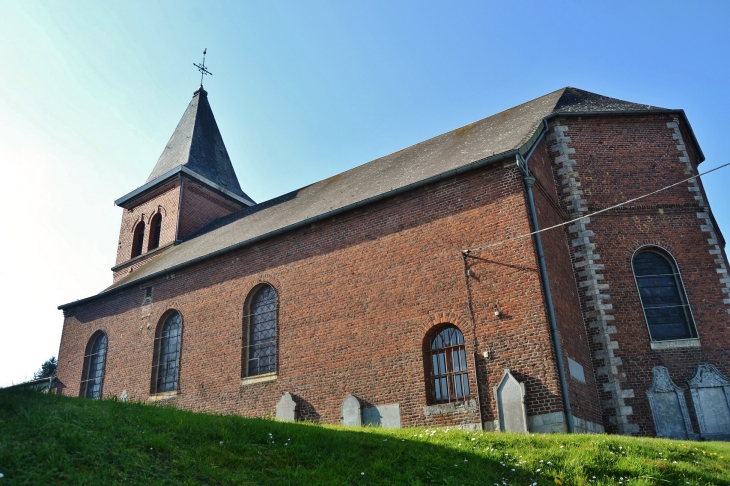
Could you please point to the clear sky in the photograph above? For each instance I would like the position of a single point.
(91, 91)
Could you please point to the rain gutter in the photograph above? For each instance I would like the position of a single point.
(305, 222)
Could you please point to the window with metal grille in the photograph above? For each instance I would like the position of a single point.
(449, 380)
(260, 350)
(138, 239)
(662, 296)
(92, 379)
(166, 368)
(155, 229)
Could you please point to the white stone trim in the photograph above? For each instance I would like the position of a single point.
(704, 215)
(594, 289)
(259, 378)
(162, 396)
(676, 343)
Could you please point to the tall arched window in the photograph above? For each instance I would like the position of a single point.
(167, 350)
(155, 229)
(92, 378)
(260, 352)
(137, 239)
(662, 296)
(446, 360)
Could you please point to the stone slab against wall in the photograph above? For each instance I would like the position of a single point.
(510, 396)
(386, 416)
(286, 409)
(351, 412)
(668, 407)
(711, 397)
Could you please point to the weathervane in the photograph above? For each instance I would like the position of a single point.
(202, 68)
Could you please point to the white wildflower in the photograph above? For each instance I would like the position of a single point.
(537, 470)
(473, 438)
(221, 442)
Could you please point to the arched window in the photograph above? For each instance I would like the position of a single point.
(662, 296)
(260, 353)
(138, 239)
(92, 378)
(448, 377)
(167, 350)
(155, 229)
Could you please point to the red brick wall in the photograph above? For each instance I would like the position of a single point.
(622, 157)
(357, 294)
(200, 206)
(166, 201)
(571, 327)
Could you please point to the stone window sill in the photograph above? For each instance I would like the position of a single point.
(677, 343)
(162, 396)
(453, 407)
(249, 380)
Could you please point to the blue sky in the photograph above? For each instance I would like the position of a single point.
(91, 91)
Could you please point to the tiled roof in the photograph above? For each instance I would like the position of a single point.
(486, 139)
(197, 145)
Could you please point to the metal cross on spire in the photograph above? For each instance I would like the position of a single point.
(202, 68)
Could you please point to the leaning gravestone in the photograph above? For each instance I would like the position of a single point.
(351, 413)
(668, 407)
(286, 409)
(510, 395)
(711, 397)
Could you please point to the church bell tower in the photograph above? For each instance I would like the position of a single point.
(192, 184)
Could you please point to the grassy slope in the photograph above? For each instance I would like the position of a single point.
(46, 439)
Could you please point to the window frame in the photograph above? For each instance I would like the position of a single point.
(246, 376)
(681, 291)
(157, 354)
(155, 231)
(449, 374)
(88, 359)
(138, 239)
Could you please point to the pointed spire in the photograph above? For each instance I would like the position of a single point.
(197, 145)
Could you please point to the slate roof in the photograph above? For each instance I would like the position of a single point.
(197, 145)
(490, 139)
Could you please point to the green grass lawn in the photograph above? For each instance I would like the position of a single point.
(48, 439)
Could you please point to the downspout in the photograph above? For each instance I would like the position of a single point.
(529, 181)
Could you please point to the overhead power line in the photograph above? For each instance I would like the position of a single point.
(592, 214)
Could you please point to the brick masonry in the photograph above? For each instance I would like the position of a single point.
(185, 205)
(360, 294)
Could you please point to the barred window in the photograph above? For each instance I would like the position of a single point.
(167, 345)
(260, 353)
(92, 379)
(155, 229)
(662, 296)
(138, 239)
(449, 380)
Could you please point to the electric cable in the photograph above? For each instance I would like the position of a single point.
(514, 238)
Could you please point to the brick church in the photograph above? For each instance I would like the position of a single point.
(409, 291)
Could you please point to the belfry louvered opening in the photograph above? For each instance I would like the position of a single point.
(662, 294)
(260, 331)
(448, 376)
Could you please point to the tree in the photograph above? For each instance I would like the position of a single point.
(48, 369)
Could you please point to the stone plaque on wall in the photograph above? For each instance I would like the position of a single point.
(386, 416)
(668, 407)
(510, 395)
(711, 398)
(351, 413)
(286, 409)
